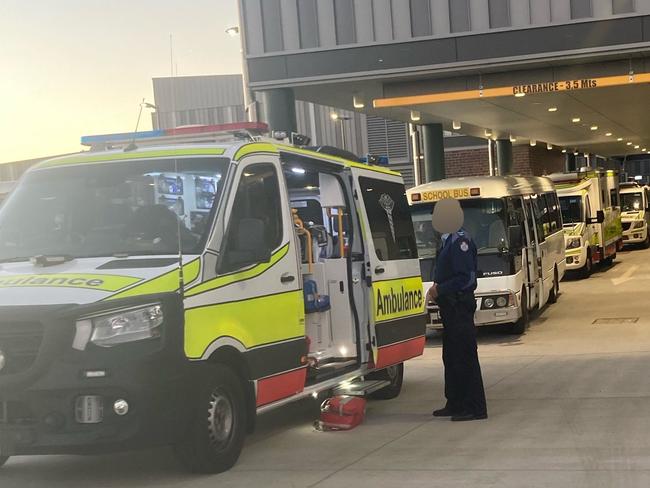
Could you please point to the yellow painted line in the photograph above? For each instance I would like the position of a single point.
(165, 283)
(504, 91)
(338, 160)
(253, 148)
(222, 281)
(101, 158)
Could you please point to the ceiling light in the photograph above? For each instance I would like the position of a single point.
(629, 143)
(549, 146)
(644, 149)
(533, 142)
(298, 171)
(575, 152)
(512, 138)
(334, 116)
(415, 115)
(619, 139)
(563, 151)
(488, 132)
(637, 146)
(575, 120)
(594, 127)
(552, 109)
(357, 101)
(608, 134)
(519, 95)
(456, 125)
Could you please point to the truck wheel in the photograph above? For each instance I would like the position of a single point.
(586, 270)
(646, 242)
(394, 374)
(3, 460)
(520, 326)
(217, 430)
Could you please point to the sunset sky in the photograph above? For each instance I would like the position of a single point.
(76, 67)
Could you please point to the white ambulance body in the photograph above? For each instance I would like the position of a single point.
(635, 213)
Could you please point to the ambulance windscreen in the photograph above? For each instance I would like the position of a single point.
(631, 202)
(117, 208)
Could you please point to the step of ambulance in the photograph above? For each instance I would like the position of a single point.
(360, 388)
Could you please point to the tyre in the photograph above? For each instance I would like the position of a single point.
(520, 326)
(587, 269)
(552, 296)
(646, 243)
(394, 374)
(610, 260)
(3, 460)
(217, 429)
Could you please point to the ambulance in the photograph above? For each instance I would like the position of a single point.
(635, 213)
(591, 212)
(156, 294)
(516, 225)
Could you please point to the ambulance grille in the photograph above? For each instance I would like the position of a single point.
(626, 225)
(20, 343)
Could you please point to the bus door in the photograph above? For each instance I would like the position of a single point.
(533, 255)
(391, 267)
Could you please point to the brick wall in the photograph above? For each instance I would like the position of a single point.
(527, 161)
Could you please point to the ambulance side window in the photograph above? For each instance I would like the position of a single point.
(389, 218)
(256, 219)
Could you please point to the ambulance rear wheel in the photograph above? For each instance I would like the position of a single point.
(394, 374)
(3, 460)
(218, 425)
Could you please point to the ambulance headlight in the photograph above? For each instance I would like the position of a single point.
(574, 243)
(637, 224)
(488, 303)
(502, 302)
(122, 326)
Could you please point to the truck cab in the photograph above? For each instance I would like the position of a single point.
(635, 214)
(167, 294)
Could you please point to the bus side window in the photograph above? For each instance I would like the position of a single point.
(553, 213)
(516, 216)
(539, 208)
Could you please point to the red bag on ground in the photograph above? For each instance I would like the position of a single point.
(342, 412)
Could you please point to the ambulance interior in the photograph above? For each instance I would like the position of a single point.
(321, 223)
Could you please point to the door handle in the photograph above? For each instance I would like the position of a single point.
(287, 278)
(379, 270)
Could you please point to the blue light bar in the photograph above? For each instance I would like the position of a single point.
(124, 136)
(378, 160)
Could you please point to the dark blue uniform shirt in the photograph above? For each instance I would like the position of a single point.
(456, 265)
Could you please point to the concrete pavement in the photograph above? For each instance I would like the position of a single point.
(568, 405)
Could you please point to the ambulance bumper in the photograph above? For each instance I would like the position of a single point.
(98, 400)
(635, 236)
(576, 260)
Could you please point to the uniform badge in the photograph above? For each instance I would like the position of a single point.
(464, 246)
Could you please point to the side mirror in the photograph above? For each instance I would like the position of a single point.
(248, 245)
(600, 218)
(515, 237)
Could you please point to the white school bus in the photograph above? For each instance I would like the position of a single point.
(516, 224)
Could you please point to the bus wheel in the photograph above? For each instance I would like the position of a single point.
(520, 326)
(586, 270)
(394, 374)
(552, 296)
(3, 460)
(217, 428)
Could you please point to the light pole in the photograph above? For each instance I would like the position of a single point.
(341, 119)
(250, 105)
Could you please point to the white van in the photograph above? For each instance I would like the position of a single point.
(167, 295)
(517, 227)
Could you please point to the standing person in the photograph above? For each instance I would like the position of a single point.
(453, 290)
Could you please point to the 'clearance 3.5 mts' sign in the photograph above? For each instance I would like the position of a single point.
(516, 90)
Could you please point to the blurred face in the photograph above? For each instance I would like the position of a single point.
(447, 216)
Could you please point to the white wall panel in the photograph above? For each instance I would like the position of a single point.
(520, 13)
(290, 32)
(540, 11)
(401, 19)
(601, 8)
(479, 15)
(326, 23)
(364, 21)
(254, 30)
(383, 20)
(560, 10)
(440, 16)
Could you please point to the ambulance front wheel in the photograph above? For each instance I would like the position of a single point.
(217, 428)
(395, 375)
(3, 460)
(646, 243)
